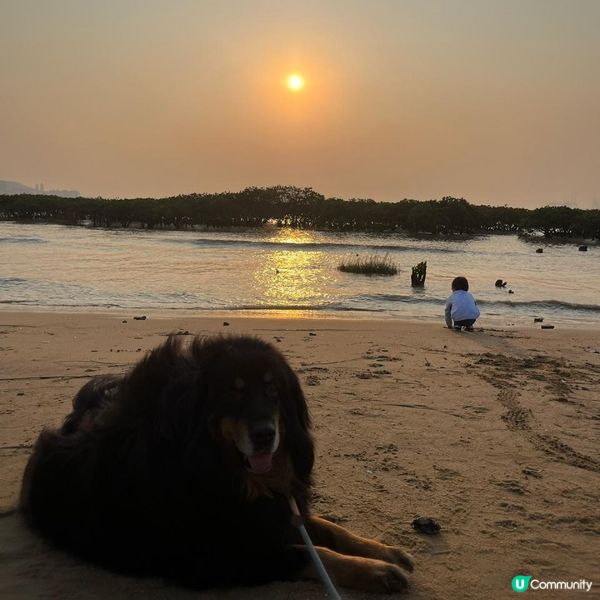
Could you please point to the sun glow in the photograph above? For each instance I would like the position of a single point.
(295, 82)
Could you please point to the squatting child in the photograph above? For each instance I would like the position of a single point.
(461, 308)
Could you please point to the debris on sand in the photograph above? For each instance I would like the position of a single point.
(426, 525)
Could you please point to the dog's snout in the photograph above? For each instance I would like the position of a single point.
(262, 435)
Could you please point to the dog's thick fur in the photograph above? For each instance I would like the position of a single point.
(184, 468)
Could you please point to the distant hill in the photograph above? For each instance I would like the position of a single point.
(14, 187)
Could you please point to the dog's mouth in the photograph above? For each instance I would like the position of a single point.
(256, 442)
(259, 463)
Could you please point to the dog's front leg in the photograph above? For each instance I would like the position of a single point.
(329, 535)
(359, 573)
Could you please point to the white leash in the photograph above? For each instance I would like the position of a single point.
(314, 555)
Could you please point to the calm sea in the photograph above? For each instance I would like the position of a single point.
(286, 271)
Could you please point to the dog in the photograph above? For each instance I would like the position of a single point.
(185, 468)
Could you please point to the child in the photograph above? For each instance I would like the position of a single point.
(461, 308)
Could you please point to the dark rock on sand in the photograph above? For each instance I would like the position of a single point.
(426, 525)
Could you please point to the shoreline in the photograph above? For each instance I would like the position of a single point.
(490, 323)
(490, 432)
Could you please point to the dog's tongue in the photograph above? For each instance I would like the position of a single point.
(261, 463)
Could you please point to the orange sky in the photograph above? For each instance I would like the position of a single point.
(495, 101)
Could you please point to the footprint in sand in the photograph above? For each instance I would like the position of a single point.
(512, 486)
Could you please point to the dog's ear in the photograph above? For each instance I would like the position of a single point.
(297, 421)
(298, 401)
(174, 412)
(163, 390)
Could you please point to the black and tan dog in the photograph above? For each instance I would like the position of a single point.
(184, 468)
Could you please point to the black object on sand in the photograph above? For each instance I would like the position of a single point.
(499, 283)
(426, 525)
(582, 248)
(538, 319)
(547, 326)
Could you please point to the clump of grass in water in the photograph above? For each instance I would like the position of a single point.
(370, 265)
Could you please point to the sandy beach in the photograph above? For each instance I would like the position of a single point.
(493, 433)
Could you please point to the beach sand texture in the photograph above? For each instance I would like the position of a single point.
(493, 433)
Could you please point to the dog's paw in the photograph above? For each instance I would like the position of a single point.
(386, 578)
(359, 573)
(397, 556)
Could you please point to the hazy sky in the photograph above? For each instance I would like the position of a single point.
(495, 101)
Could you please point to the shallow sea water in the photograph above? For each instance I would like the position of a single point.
(272, 270)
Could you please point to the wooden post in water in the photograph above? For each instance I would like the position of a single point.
(419, 272)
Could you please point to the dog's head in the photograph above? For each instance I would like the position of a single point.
(254, 402)
(234, 395)
(252, 419)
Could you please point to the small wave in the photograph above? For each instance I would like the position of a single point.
(12, 281)
(315, 246)
(22, 240)
(278, 307)
(32, 302)
(542, 304)
(539, 305)
(414, 299)
(334, 306)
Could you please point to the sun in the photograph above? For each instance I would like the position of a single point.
(295, 82)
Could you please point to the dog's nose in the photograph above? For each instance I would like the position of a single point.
(262, 435)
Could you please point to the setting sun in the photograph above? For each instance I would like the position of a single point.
(295, 82)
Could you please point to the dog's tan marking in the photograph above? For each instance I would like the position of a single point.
(355, 572)
(328, 534)
(228, 429)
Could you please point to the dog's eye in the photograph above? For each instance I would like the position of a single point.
(272, 391)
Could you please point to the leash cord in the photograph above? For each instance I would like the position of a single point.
(314, 555)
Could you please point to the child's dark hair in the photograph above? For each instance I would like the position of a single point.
(460, 283)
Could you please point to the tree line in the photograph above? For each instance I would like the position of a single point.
(301, 208)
